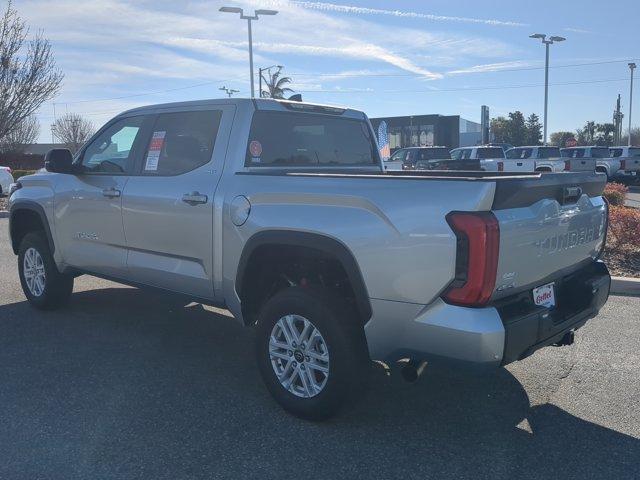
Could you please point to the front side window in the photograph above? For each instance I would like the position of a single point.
(279, 139)
(514, 153)
(579, 153)
(634, 152)
(181, 142)
(565, 153)
(456, 154)
(111, 151)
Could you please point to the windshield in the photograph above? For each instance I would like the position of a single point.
(279, 139)
(492, 152)
(548, 152)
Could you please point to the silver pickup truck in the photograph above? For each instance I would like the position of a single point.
(282, 213)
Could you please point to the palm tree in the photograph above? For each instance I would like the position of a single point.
(276, 85)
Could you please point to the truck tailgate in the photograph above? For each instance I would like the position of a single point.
(548, 228)
(631, 164)
(581, 164)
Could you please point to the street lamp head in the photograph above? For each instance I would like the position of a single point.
(266, 12)
(632, 65)
(231, 10)
(541, 36)
(557, 39)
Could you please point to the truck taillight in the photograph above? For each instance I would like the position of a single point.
(623, 164)
(478, 245)
(501, 166)
(567, 165)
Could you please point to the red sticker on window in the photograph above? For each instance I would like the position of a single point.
(255, 148)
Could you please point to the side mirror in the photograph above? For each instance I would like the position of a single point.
(59, 160)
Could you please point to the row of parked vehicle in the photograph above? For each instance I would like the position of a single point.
(6, 179)
(616, 162)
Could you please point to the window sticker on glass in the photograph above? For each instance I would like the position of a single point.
(155, 147)
(255, 149)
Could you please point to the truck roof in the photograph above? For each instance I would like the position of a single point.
(258, 103)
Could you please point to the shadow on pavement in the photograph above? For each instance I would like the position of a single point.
(125, 384)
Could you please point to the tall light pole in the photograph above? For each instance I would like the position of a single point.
(546, 42)
(632, 67)
(248, 18)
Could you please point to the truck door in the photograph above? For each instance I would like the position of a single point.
(168, 211)
(88, 205)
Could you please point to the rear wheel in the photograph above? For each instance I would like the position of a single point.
(311, 352)
(43, 285)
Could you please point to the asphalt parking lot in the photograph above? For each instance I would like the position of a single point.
(126, 384)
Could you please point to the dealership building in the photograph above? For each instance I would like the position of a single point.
(450, 131)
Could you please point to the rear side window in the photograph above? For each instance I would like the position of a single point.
(181, 142)
(634, 152)
(279, 139)
(492, 152)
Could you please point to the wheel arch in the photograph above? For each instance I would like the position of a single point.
(26, 216)
(315, 241)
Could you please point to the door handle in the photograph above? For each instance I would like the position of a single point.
(111, 192)
(194, 198)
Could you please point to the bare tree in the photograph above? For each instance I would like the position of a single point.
(28, 74)
(72, 130)
(24, 133)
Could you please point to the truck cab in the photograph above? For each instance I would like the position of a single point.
(629, 158)
(541, 158)
(599, 156)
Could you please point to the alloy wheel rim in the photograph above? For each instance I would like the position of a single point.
(299, 356)
(34, 274)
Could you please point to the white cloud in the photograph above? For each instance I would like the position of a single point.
(332, 7)
(493, 67)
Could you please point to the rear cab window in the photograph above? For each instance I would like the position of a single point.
(602, 152)
(492, 152)
(294, 139)
(548, 152)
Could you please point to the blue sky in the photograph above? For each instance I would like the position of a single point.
(386, 58)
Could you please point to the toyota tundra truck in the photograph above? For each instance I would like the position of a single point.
(282, 213)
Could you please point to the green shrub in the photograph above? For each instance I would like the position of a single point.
(21, 173)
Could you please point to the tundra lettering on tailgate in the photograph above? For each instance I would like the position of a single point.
(565, 241)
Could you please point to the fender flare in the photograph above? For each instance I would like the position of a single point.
(32, 206)
(316, 241)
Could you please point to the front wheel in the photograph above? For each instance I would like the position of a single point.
(311, 352)
(43, 285)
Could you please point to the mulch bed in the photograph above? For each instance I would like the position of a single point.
(623, 264)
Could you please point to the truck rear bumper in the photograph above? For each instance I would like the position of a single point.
(486, 337)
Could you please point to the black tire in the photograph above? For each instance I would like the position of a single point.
(349, 363)
(57, 286)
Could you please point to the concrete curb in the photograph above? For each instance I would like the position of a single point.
(625, 286)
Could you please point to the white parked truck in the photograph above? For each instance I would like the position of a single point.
(604, 163)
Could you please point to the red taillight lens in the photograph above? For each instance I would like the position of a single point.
(567, 165)
(477, 253)
(623, 164)
(501, 166)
